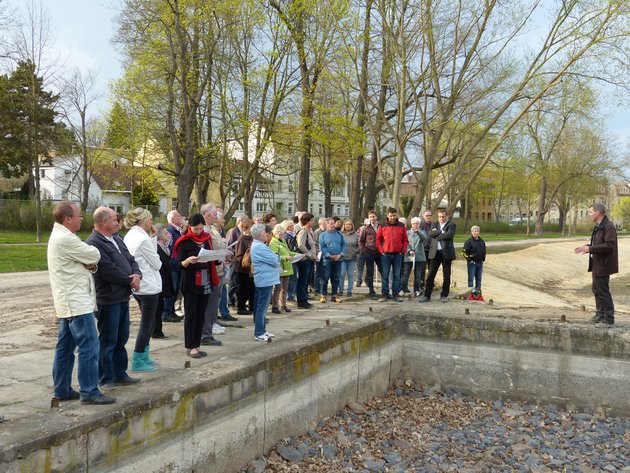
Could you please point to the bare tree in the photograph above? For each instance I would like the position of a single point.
(77, 95)
(32, 40)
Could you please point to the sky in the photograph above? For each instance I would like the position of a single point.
(83, 29)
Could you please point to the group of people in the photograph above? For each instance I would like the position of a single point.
(255, 265)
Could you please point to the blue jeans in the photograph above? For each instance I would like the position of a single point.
(305, 267)
(169, 302)
(391, 262)
(113, 334)
(223, 305)
(347, 268)
(417, 275)
(79, 331)
(292, 283)
(331, 270)
(360, 266)
(261, 304)
(474, 273)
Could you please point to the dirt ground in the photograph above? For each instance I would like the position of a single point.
(520, 283)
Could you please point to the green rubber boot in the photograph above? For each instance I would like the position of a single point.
(138, 362)
(150, 361)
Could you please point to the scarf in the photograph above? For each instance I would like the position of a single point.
(200, 240)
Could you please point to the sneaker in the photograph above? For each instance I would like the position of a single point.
(172, 319)
(101, 399)
(290, 299)
(596, 318)
(126, 381)
(306, 306)
(74, 396)
(383, 298)
(425, 299)
(373, 296)
(322, 299)
(359, 283)
(286, 309)
(444, 299)
(261, 338)
(334, 299)
(397, 298)
(107, 387)
(269, 334)
(229, 318)
(348, 294)
(217, 329)
(213, 342)
(276, 310)
(418, 293)
(244, 312)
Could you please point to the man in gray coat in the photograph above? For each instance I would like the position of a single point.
(441, 253)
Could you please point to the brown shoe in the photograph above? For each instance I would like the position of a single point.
(322, 299)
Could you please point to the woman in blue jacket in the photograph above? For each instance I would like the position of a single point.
(266, 265)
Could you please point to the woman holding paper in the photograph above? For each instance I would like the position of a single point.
(279, 246)
(198, 281)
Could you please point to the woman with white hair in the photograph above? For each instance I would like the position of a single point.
(139, 221)
(414, 259)
(266, 266)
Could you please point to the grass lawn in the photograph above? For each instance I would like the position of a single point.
(18, 258)
(28, 236)
(31, 256)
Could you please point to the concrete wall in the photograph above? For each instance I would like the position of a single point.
(199, 419)
(220, 424)
(573, 366)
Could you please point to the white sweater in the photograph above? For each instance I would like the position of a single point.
(144, 250)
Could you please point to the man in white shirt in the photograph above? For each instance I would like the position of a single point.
(70, 262)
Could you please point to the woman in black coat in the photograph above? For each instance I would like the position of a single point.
(198, 281)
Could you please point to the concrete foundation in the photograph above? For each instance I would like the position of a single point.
(194, 420)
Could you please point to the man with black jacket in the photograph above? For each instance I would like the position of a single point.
(441, 253)
(603, 262)
(369, 250)
(118, 274)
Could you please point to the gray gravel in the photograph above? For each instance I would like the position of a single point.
(414, 429)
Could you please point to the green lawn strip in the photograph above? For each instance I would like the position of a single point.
(29, 237)
(20, 258)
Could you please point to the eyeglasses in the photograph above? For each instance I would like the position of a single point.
(77, 216)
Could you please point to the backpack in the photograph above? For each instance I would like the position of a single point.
(246, 262)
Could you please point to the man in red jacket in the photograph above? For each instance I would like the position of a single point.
(391, 241)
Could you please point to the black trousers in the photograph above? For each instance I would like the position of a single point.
(370, 260)
(434, 266)
(603, 300)
(194, 318)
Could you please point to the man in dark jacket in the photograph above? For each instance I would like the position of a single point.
(603, 262)
(425, 226)
(174, 228)
(392, 242)
(118, 274)
(367, 247)
(441, 253)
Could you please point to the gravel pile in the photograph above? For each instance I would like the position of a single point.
(414, 429)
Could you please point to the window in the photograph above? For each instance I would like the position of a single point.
(241, 206)
(347, 210)
(279, 186)
(260, 207)
(310, 208)
(42, 173)
(338, 209)
(321, 209)
(290, 208)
